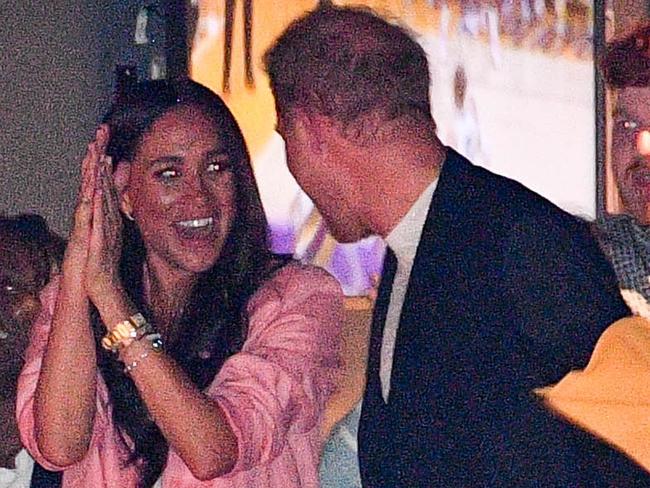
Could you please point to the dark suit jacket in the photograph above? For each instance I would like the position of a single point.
(507, 293)
(42, 478)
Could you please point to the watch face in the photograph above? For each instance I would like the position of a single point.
(157, 344)
(138, 320)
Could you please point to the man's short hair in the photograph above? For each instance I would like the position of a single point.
(627, 60)
(347, 61)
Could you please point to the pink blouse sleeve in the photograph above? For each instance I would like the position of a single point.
(28, 380)
(280, 381)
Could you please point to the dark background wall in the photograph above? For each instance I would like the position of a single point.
(57, 61)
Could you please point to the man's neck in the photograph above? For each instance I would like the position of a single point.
(409, 172)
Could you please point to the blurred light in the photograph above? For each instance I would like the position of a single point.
(643, 142)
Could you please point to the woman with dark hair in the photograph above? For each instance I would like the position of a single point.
(175, 346)
(29, 255)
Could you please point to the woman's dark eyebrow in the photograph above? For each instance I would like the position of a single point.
(217, 151)
(179, 160)
(166, 160)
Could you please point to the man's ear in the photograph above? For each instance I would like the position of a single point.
(314, 128)
(121, 176)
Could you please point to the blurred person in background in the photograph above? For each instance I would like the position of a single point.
(625, 237)
(29, 256)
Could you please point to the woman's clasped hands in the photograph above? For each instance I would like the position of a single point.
(94, 249)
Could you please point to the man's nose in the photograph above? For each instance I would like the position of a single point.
(643, 143)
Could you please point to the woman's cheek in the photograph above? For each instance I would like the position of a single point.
(167, 199)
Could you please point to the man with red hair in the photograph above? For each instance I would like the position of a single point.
(626, 237)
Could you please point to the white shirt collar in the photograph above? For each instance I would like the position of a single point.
(405, 237)
(21, 475)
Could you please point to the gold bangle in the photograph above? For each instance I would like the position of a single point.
(132, 329)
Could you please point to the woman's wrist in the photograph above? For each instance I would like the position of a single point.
(132, 351)
(114, 307)
(137, 351)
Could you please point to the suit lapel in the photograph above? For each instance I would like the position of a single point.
(433, 266)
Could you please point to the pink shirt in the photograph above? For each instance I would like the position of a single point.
(273, 391)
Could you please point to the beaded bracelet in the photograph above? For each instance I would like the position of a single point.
(155, 345)
(133, 364)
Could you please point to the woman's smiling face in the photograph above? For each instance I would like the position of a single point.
(181, 190)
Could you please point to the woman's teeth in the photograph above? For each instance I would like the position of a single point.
(196, 223)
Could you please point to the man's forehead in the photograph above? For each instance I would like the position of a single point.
(634, 100)
(627, 60)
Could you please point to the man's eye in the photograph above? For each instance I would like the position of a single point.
(629, 125)
(167, 174)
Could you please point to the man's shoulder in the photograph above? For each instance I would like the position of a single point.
(500, 196)
(617, 227)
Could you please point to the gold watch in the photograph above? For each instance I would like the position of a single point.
(132, 329)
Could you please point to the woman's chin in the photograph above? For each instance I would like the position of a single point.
(199, 262)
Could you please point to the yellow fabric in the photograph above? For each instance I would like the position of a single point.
(351, 378)
(611, 396)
